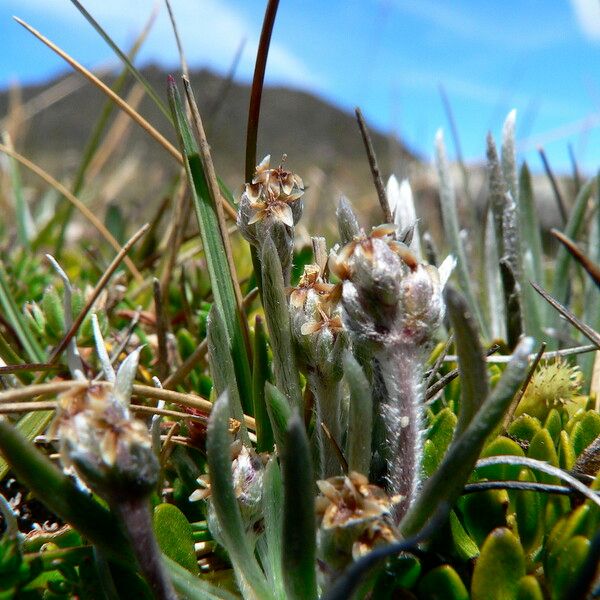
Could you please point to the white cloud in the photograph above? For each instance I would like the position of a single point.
(211, 32)
(588, 17)
(510, 34)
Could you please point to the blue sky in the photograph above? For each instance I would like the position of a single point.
(541, 57)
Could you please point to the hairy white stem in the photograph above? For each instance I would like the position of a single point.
(402, 411)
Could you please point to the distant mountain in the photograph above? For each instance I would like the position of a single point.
(322, 142)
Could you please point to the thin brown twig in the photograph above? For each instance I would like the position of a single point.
(85, 211)
(375, 172)
(161, 331)
(336, 448)
(511, 410)
(139, 391)
(96, 292)
(106, 90)
(10, 369)
(589, 265)
(587, 331)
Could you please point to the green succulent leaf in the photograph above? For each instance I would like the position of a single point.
(499, 568)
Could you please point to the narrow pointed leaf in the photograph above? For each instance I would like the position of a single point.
(279, 413)
(260, 376)
(221, 368)
(214, 250)
(360, 417)
(471, 363)
(299, 523)
(225, 504)
(452, 230)
(278, 322)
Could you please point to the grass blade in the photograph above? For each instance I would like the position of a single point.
(474, 386)
(279, 413)
(464, 451)
(451, 229)
(221, 368)
(272, 508)
(22, 214)
(125, 59)
(15, 318)
(360, 417)
(495, 300)
(260, 376)
(278, 322)
(530, 225)
(214, 250)
(560, 285)
(299, 523)
(225, 504)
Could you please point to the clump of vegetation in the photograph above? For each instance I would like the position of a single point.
(325, 447)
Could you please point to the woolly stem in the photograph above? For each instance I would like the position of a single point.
(402, 412)
(135, 514)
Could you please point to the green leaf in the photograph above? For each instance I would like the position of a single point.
(360, 416)
(260, 375)
(452, 229)
(442, 583)
(524, 427)
(273, 515)
(214, 250)
(528, 512)
(498, 447)
(278, 322)
(542, 448)
(222, 370)
(299, 524)
(439, 436)
(568, 568)
(464, 545)
(499, 567)
(14, 316)
(566, 453)
(474, 386)
(529, 589)
(174, 536)
(225, 504)
(586, 431)
(484, 511)
(530, 225)
(279, 413)
(194, 588)
(464, 451)
(561, 280)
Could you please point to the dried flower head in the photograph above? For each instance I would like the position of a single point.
(354, 516)
(111, 452)
(271, 205)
